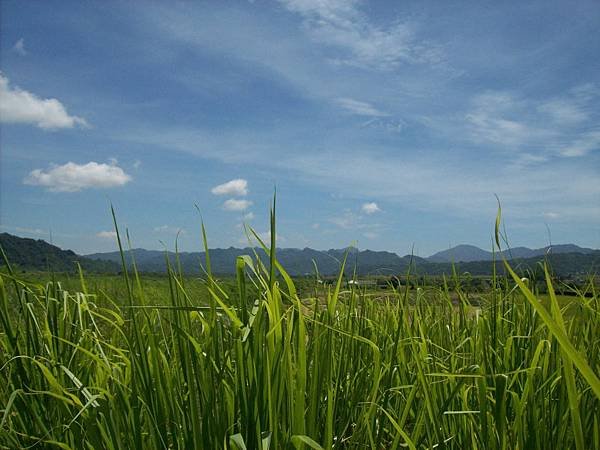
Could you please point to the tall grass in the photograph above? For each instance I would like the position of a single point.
(265, 369)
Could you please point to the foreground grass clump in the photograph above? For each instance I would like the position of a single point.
(261, 368)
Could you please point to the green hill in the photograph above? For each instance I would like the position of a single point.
(31, 254)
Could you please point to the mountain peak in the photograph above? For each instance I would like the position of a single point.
(461, 253)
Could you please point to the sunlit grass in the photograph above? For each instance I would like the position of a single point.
(254, 365)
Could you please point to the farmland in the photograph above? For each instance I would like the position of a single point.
(385, 306)
(256, 362)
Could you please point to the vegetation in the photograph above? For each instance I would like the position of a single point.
(255, 365)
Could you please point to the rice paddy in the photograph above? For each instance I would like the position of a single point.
(251, 364)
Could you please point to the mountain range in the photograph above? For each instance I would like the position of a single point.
(567, 259)
(470, 253)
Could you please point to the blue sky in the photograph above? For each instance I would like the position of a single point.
(384, 124)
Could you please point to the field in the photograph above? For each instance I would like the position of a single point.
(255, 363)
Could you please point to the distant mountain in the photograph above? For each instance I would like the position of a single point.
(34, 254)
(295, 261)
(566, 259)
(367, 262)
(470, 253)
(466, 253)
(563, 264)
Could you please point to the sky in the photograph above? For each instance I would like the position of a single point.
(385, 125)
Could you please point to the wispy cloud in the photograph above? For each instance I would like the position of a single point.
(559, 126)
(107, 234)
(168, 229)
(360, 108)
(37, 231)
(564, 111)
(354, 223)
(523, 160)
(25, 230)
(384, 123)
(320, 70)
(47, 234)
(345, 77)
(496, 117)
(582, 146)
(370, 208)
(19, 47)
(573, 107)
(448, 185)
(20, 106)
(348, 220)
(237, 187)
(551, 215)
(234, 204)
(341, 24)
(72, 177)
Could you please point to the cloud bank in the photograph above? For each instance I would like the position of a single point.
(72, 177)
(107, 234)
(237, 187)
(20, 106)
(236, 205)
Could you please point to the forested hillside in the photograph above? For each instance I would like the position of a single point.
(32, 254)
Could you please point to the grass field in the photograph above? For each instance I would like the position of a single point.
(248, 363)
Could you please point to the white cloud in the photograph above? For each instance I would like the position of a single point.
(564, 111)
(497, 117)
(497, 129)
(315, 226)
(360, 108)
(19, 47)
(561, 126)
(439, 170)
(384, 124)
(234, 204)
(169, 230)
(573, 107)
(19, 106)
(347, 220)
(107, 234)
(72, 177)
(248, 216)
(527, 159)
(30, 230)
(340, 23)
(551, 215)
(370, 208)
(238, 187)
(583, 145)
(455, 187)
(136, 164)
